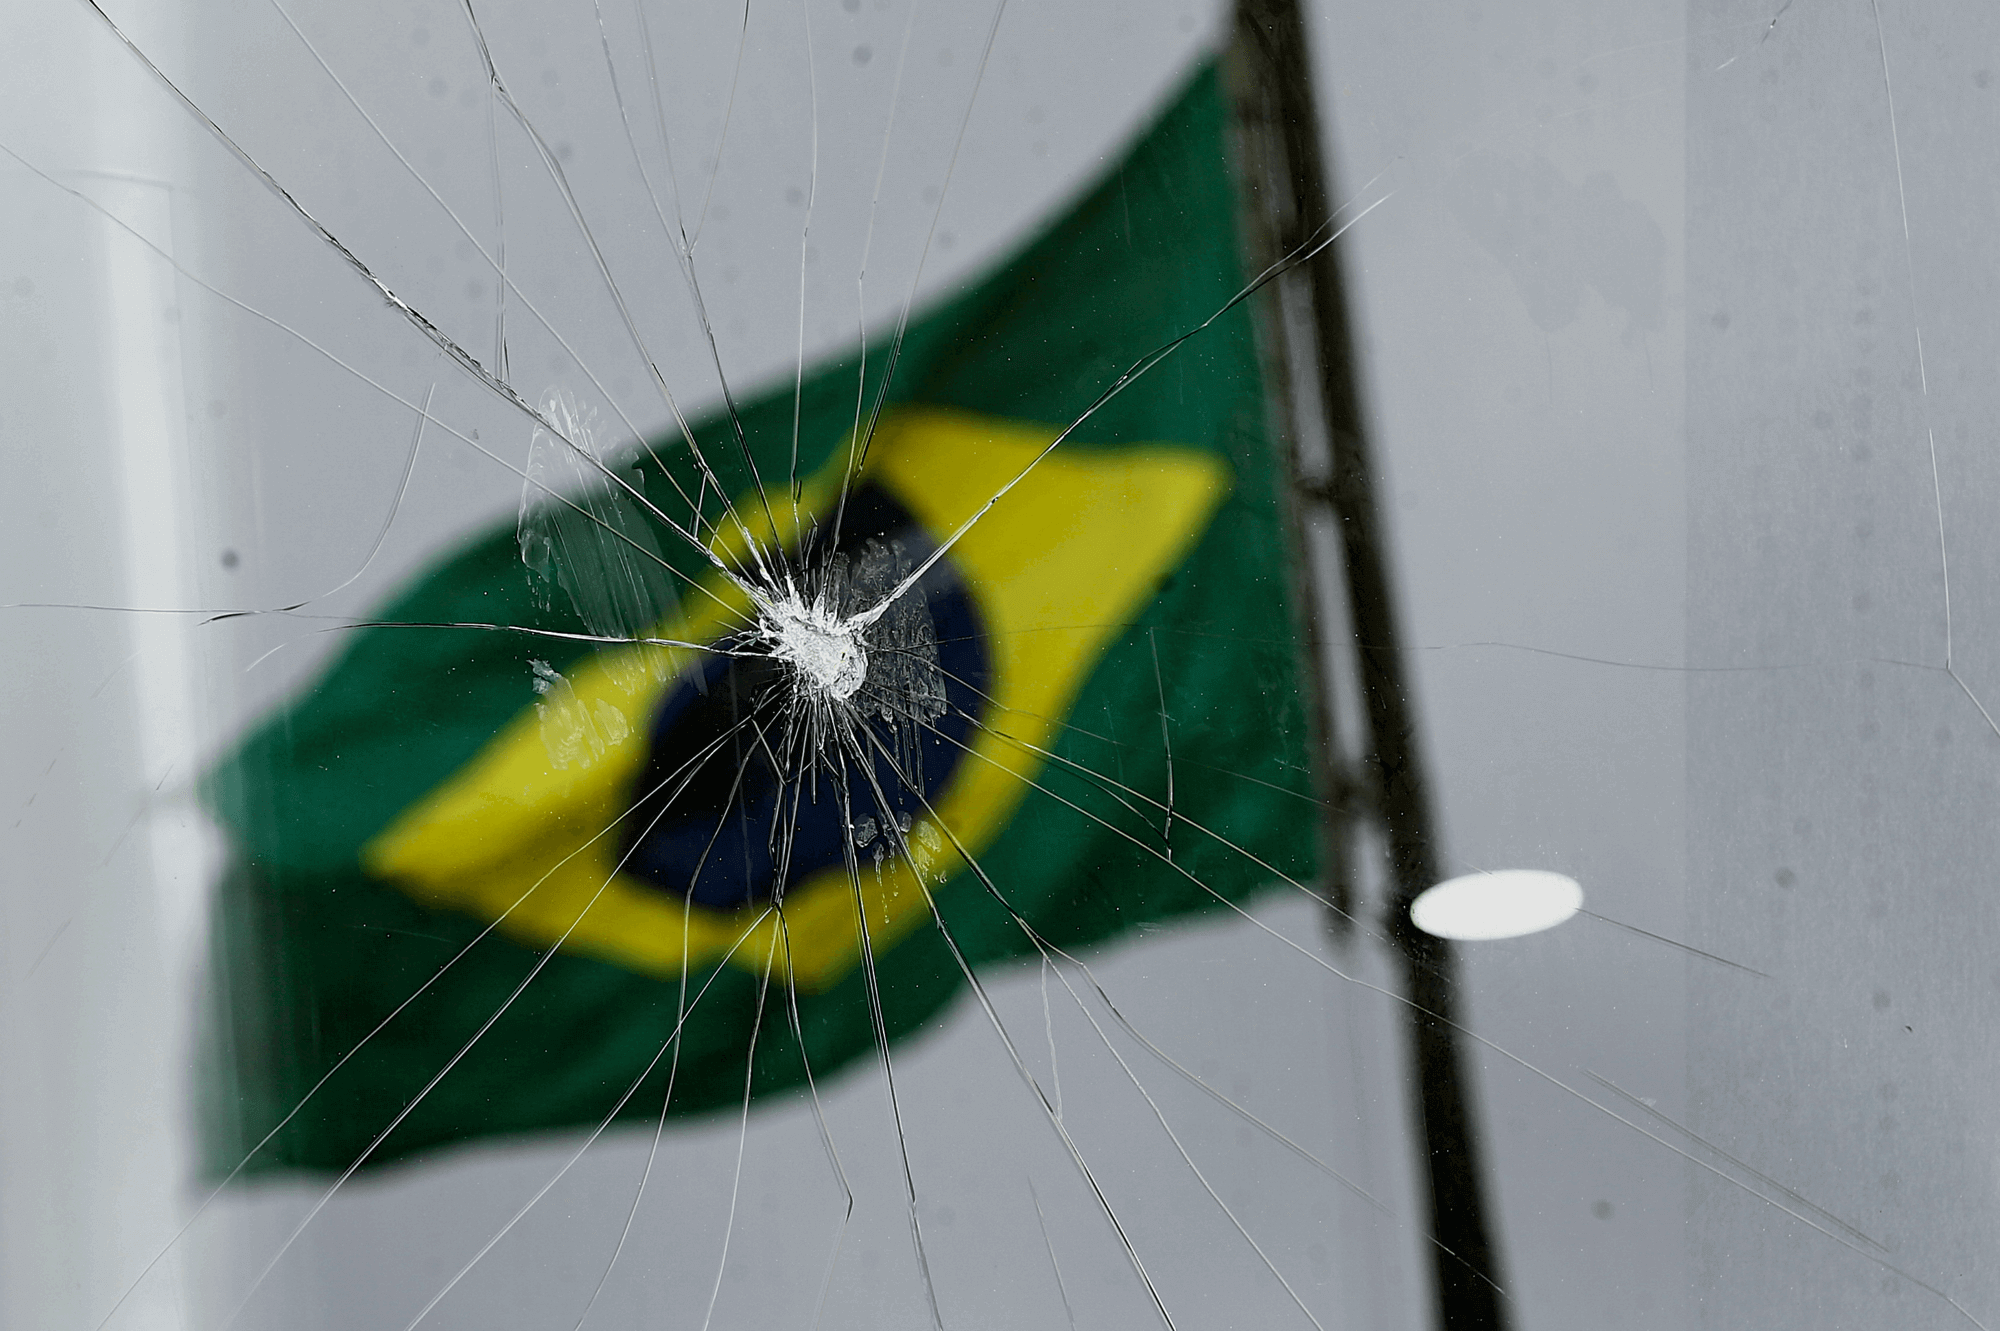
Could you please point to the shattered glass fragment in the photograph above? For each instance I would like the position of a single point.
(582, 532)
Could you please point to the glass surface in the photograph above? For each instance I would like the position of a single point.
(1672, 327)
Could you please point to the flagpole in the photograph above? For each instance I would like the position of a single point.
(1286, 200)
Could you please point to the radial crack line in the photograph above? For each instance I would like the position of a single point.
(1746, 1167)
(684, 1011)
(541, 963)
(672, 1041)
(1166, 743)
(825, 1133)
(673, 1069)
(1062, 1289)
(874, 990)
(684, 254)
(1071, 728)
(1133, 373)
(327, 1076)
(1152, 1104)
(1021, 1067)
(743, 1125)
(1070, 763)
(1916, 327)
(456, 353)
(1516, 1059)
(805, 234)
(561, 182)
(861, 272)
(385, 391)
(1050, 950)
(722, 135)
(1563, 1086)
(499, 264)
(1672, 942)
(923, 254)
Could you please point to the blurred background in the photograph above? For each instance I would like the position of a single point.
(1675, 332)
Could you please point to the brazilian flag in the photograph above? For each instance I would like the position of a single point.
(597, 789)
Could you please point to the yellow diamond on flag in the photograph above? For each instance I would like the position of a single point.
(537, 829)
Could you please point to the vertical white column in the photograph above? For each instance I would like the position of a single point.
(139, 333)
(108, 859)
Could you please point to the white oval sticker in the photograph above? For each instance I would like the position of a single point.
(1506, 903)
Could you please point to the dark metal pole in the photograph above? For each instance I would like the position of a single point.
(1288, 199)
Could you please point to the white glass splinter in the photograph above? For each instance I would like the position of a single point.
(1504, 904)
(821, 645)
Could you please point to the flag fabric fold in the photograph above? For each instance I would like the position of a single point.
(1083, 714)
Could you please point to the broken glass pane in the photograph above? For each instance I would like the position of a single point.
(1668, 324)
